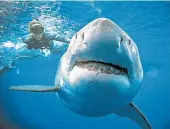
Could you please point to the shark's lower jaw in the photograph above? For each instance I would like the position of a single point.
(101, 67)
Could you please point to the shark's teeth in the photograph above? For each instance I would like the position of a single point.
(102, 67)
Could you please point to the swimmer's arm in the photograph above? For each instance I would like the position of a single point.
(27, 41)
(62, 39)
(54, 36)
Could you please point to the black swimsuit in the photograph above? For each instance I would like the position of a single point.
(36, 44)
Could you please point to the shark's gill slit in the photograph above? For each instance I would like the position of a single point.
(76, 36)
(129, 42)
(82, 36)
(121, 39)
(103, 67)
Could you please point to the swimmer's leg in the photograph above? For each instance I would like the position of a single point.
(3, 69)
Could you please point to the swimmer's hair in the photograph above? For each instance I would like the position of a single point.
(35, 27)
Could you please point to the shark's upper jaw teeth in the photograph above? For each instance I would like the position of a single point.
(101, 67)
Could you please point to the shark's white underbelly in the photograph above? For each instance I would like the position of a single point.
(92, 95)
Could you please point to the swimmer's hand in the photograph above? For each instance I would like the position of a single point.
(67, 40)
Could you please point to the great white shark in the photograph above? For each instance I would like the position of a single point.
(99, 74)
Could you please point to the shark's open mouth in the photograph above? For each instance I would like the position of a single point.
(102, 67)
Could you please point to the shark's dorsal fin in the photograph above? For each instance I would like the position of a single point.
(35, 88)
(132, 112)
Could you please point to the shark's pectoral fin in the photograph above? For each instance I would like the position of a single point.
(35, 88)
(132, 112)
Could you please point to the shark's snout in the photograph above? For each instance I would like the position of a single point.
(104, 30)
(105, 24)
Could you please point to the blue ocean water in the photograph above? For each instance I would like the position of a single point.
(147, 23)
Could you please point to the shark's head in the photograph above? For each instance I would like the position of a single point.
(101, 53)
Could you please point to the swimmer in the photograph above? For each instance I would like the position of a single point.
(39, 39)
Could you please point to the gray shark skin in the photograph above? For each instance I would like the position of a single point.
(99, 74)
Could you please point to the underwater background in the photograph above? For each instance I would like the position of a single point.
(147, 23)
